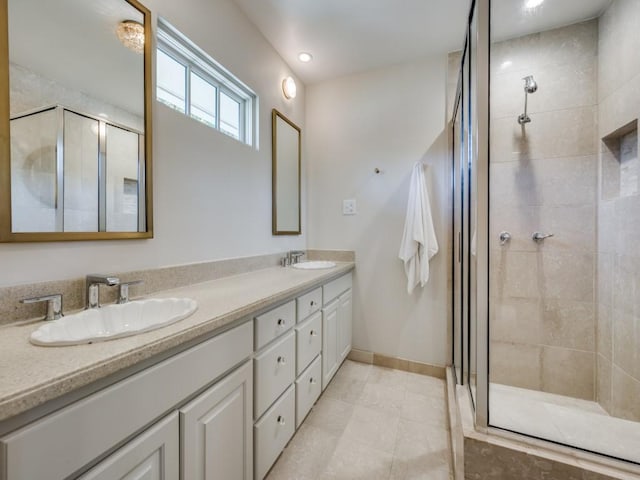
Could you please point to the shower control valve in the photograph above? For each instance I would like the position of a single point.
(504, 237)
(539, 237)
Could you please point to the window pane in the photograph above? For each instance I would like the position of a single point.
(203, 100)
(229, 116)
(171, 82)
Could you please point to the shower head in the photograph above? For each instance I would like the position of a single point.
(530, 85)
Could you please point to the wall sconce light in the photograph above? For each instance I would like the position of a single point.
(289, 88)
(131, 34)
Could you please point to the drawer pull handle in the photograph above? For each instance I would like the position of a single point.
(312, 381)
(281, 322)
(313, 333)
(282, 361)
(281, 420)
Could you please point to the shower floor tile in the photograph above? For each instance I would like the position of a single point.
(575, 422)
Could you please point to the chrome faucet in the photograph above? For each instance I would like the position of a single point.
(54, 305)
(293, 256)
(93, 288)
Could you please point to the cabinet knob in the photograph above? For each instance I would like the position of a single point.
(312, 381)
(281, 420)
(312, 303)
(281, 360)
(281, 322)
(313, 333)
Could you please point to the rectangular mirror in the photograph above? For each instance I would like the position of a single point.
(286, 155)
(75, 120)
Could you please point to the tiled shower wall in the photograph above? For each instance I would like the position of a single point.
(543, 178)
(618, 286)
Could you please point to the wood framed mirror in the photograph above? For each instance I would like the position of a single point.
(286, 160)
(75, 120)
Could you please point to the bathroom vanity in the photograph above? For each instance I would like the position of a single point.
(217, 395)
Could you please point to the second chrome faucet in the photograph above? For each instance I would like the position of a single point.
(93, 288)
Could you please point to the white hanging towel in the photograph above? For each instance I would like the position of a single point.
(419, 241)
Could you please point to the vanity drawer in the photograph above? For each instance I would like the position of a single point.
(273, 371)
(273, 431)
(308, 341)
(274, 323)
(308, 389)
(334, 288)
(309, 303)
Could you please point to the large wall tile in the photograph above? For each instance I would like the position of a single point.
(603, 383)
(515, 320)
(568, 372)
(516, 365)
(626, 339)
(568, 276)
(568, 324)
(625, 394)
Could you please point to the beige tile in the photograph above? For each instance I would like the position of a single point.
(511, 142)
(574, 43)
(568, 372)
(384, 398)
(604, 331)
(425, 385)
(515, 320)
(626, 285)
(568, 276)
(356, 460)
(568, 324)
(373, 428)
(361, 356)
(425, 369)
(628, 232)
(354, 370)
(603, 383)
(626, 343)
(424, 409)
(521, 275)
(388, 377)
(306, 456)
(419, 454)
(330, 415)
(345, 389)
(617, 44)
(390, 362)
(516, 365)
(625, 394)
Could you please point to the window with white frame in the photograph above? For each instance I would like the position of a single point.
(191, 82)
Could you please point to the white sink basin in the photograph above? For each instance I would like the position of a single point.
(313, 265)
(113, 321)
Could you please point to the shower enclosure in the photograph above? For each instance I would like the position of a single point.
(75, 172)
(546, 267)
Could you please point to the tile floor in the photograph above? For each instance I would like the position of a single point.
(372, 423)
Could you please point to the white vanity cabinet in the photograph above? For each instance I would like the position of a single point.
(153, 455)
(63, 443)
(216, 440)
(336, 325)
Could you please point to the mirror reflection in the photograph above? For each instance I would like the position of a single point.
(77, 116)
(286, 175)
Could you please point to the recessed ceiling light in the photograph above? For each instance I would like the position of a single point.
(533, 3)
(305, 57)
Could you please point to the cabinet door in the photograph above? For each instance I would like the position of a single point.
(216, 430)
(329, 342)
(153, 455)
(345, 320)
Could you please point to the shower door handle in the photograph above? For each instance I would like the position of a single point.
(539, 237)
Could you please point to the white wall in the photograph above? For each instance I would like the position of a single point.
(212, 195)
(388, 119)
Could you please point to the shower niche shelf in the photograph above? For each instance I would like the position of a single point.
(620, 163)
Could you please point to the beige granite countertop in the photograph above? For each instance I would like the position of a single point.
(32, 375)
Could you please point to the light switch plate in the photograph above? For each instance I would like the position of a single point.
(349, 207)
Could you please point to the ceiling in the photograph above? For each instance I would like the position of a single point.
(348, 36)
(73, 42)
